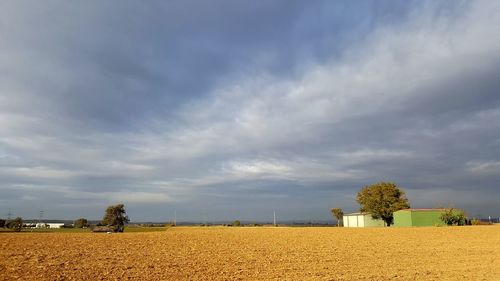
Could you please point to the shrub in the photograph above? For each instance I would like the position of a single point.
(236, 223)
(81, 223)
(103, 229)
(15, 224)
(480, 222)
(452, 216)
(117, 228)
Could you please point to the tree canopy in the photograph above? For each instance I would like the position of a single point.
(338, 214)
(80, 223)
(452, 216)
(382, 199)
(116, 217)
(15, 224)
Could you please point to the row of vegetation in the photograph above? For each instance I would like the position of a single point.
(15, 224)
(114, 220)
(382, 199)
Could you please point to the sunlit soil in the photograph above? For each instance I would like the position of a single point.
(257, 253)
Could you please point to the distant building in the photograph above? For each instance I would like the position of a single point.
(49, 225)
(362, 220)
(55, 225)
(418, 217)
(41, 225)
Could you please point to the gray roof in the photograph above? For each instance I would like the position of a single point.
(357, 214)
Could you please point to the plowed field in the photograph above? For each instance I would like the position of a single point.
(217, 253)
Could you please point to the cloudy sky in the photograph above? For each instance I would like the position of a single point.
(226, 110)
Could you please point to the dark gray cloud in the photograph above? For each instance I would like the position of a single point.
(228, 110)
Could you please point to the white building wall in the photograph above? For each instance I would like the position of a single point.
(361, 220)
(346, 221)
(354, 221)
(55, 225)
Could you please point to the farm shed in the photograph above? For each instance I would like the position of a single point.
(361, 220)
(49, 225)
(418, 217)
(55, 225)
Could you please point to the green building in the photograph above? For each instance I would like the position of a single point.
(418, 217)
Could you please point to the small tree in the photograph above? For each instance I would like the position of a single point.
(15, 224)
(80, 223)
(461, 219)
(116, 217)
(338, 214)
(382, 200)
(236, 223)
(2, 223)
(452, 216)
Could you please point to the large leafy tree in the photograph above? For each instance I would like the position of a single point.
(382, 200)
(81, 223)
(338, 214)
(116, 217)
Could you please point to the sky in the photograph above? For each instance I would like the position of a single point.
(223, 110)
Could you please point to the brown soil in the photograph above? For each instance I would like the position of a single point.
(260, 253)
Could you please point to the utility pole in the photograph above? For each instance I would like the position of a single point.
(175, 218)
(40, 219)
(9, 215)
(274, 218)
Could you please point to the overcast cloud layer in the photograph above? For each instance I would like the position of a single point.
(227, 110)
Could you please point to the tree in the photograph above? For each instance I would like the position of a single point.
(452, 216)
(15, 224)
(80, 223)
(338, 214)
(382, 200)
(236, 223)
(2, 223)
(115, 217)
